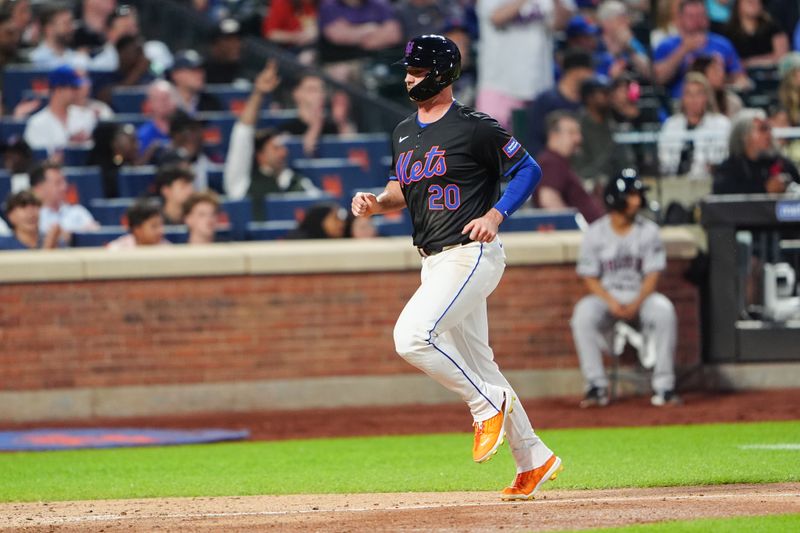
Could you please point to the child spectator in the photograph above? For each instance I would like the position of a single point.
(146, 227)
(200, 212)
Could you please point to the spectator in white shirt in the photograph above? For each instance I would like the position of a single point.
(693, 140)
(50, 186)
(256, 164)
(58, 27)
(61, 122)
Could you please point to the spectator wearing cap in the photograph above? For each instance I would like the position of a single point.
(50, 186)
(671, 59)
(292, 23)
(582, 34)
(160, 106)
(145, 227)
(22, 213)
(577, 67)
(599, 157)
(696, 138)
(560, 187)
(622, 52)
(174, 186)
(57, 28)
(200, 213)
(61, 122)
(223, 63)
(189, 78)
(754, 166)
(256, 163)
(515, 54)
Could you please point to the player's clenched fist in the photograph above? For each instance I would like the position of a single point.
(364, 204)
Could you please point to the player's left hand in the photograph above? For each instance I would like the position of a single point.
(484, 229)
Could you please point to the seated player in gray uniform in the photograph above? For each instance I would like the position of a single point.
(621, 259)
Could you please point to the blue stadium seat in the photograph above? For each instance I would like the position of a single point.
(270, 230)
(19, 78)
(292, 206)
(76, 156)
(239, 213)
(110, 211)
(136, 181)
(129, 99)
(367, 150)
(100, 237)
(540, 220)
(87, 183)
(335, 176)
(12, 128)
(393, 225)
(232, 98)
(176, 234)
(215, 175)
(5, 186)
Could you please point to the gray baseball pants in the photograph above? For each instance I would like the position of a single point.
(593, 324)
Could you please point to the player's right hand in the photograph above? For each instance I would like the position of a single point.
(364, 204)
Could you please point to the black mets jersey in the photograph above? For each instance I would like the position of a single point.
(450, 171)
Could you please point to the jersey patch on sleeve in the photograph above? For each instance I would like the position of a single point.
(511, 147)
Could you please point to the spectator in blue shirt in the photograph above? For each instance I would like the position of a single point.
(674, 55)
(622, 52)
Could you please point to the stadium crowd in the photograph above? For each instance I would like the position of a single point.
(114, 129)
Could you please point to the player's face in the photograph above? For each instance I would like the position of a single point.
(634, 204)
(414, 75)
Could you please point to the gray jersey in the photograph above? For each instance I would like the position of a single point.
(621, 261)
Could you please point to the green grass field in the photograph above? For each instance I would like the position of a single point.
(593, 458)
(751, 524)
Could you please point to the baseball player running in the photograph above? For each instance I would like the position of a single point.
(448, 163)
(621, 259)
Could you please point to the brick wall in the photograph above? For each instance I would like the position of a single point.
(241, 328)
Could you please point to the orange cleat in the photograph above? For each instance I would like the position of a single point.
(527, 483)
(489, 434)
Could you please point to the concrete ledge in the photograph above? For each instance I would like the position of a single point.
(138, 401)
(346, 391)
(285, 257)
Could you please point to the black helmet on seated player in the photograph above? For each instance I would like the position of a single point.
(620, 187)
(440, 55)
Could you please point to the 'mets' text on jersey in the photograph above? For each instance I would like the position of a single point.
(450, 171)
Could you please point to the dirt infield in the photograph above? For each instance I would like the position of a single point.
(444, 512)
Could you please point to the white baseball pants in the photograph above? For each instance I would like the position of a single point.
(443, 330)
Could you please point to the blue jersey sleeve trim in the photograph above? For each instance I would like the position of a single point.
(520, 187)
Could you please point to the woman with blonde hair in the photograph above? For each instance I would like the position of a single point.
(789, 89)
(665, 23)
(696, 138)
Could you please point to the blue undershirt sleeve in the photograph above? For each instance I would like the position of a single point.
(526, 176)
